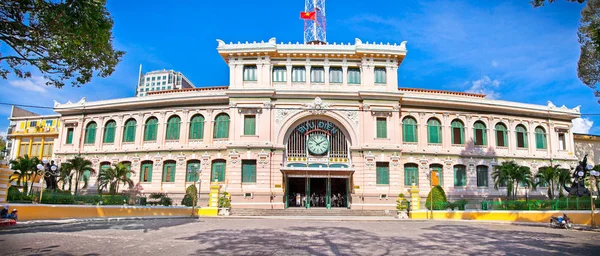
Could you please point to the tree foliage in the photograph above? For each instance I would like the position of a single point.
(439, 196)
(66, 40)
(79, 166)
(511, 174)
(24, 167)
(588, 67)
(113, 177)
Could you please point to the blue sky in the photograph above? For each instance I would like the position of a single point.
(506, 49)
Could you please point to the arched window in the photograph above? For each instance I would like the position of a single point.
(437, 175)
(150, 129)
(480, 134)
(109, 131)
(434, 131)
(221, 127)
(218, 171)
(460, 175)
(482, 176)
(409, 129)
(90, 133)
(127, 165)
(540, 138)
(173, 125)
(197, 127)
(146, 171)
(411, 174)
(129, 130)
(458, 132)
(521, 133)
(104, 166)
(193, 167)
(169, 171)
(501, 135)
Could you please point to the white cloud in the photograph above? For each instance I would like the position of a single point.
(2, 134)
(486, 86)
(494, 63)
(582, 125)
(35, 83)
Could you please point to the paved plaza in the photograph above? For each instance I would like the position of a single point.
(293, 237)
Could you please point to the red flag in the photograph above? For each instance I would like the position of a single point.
(308, 15)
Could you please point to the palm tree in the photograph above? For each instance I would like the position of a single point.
(549, 176)
(65, 176)
(24, 167)
(511, 174)
(79, 165)
(564, 179)
(113, 177)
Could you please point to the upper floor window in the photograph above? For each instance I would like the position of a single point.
(129, 130)
(501, 135)
(221, 130)
(480, 134)
(458, 132)
(434, 131)
(249, 124)
(173, 127)
(562, 142)
(380, 76)
(90, 133)
(151, 129)
(354, 75)
(298, 74)
(540, 138)
(32, 123)
(197, 127)
(279, 74)
(109, 131)
(409, 129)
(336, 75)
(49, 122)
(381, 127)
(317, 75)
(521, 133)
(249, 72)
(70, 132)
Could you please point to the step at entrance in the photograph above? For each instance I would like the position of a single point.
(309, 212)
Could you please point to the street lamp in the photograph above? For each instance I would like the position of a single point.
(42, 168)
(430, 178)
(593, 176)
(195, 170)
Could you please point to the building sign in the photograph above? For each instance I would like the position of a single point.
(318, 125)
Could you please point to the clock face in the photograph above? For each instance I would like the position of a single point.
(318, 144)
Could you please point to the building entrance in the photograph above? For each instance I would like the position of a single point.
(317, 192)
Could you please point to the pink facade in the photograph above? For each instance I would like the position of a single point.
(326, 117)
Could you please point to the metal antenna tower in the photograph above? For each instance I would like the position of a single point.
(314, 26)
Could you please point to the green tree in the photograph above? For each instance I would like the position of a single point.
(547, 175)
(65, 176)
(63, 39)
(511, 174)
(24, 167)
(588, 67)
(79, 166)
(439, 196)
(564, 179)
(113, 177)
(191, 196)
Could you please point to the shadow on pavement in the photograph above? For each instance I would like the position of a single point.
(438, 239)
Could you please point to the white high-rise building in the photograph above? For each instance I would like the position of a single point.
(161, 80)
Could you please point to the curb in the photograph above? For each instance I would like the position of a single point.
(43, 223)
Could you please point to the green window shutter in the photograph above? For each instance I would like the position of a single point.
(482, 176)
(221, 127)
(540, 138)
(248, 171)
(197, 128)
(191, 171)
(151, 129)
(70, 136)
(383, 173)
(336, 75)
(457, 133)
(460, 176)
(109, 132)
(279, 74)
(353, 75)
(249, 125)
(298, 74)
(129, 131)
(173, 125)
(381, 127)
(249, 72)
(218, 171)
(411, 174)
(433, 129)
(169, 172)
(317, 75)
(146, 172)
(409, 129)
(90, 133)
(380, 76)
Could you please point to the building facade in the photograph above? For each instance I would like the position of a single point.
(31, 134)
(162, 80)
(316, 125)
(587, 144)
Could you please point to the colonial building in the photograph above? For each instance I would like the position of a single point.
(587, 144)
(324, 124)
(31, 134)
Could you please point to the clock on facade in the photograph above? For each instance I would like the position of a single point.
(318, 144)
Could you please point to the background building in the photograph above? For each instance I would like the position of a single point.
(161, 80)
(587, 144)
(321, 120)
(31, 134)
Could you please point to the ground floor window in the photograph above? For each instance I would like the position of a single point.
(146, 172)
(383, 173)
(218, 171)
(482, 176)
(460, 176)
(248, 171)
(411, 174)
(169, 171)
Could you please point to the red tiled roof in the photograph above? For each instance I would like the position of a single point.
(212, 88)
(476, 95)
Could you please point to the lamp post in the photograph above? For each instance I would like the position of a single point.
(430, 178)
(593, 176)
(42, 168)
(194, 170)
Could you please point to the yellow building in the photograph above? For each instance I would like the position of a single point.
(31, 134)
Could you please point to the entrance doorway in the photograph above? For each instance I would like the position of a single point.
(317, 192)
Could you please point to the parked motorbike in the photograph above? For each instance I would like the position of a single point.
(561, 222)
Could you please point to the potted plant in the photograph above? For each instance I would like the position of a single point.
(224, 204)
(402, 207)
